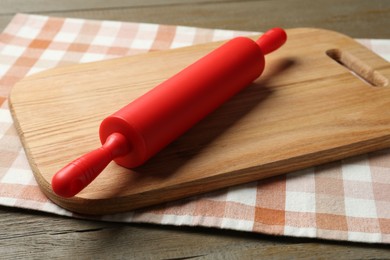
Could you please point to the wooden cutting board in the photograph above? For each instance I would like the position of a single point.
(306, 109)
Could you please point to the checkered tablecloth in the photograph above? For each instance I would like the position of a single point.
(344, 200)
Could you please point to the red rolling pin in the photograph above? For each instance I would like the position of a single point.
(139, 130)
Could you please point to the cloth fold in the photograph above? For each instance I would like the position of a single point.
(343, 200)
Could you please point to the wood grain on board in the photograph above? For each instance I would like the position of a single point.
(306, 109)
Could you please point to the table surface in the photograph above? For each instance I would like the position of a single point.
(27, 234)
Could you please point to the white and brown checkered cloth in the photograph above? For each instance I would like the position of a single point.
(344, 200)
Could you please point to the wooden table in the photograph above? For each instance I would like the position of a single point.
(27, 234)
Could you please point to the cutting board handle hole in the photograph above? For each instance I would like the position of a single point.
(358, 68)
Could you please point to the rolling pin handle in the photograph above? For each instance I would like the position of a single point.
(78, 174)
(272, 40)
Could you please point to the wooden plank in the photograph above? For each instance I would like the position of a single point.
(305, 110)
(356, 18)
(15, 6)
(32, 235)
